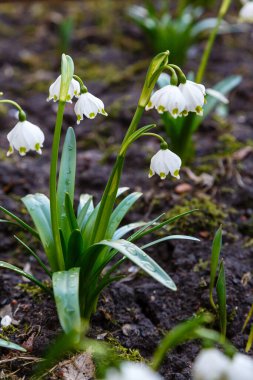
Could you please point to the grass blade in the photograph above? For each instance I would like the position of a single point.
(216, 249)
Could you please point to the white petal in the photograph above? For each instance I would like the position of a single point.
(6, 321)
(241, 368)
(210, 364)
(246, 12)
(217, 94)
(132, 371)
(54, 89)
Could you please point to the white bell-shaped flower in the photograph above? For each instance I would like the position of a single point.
(211, 364)
(165, 162)
(246, 12)
(132, 371)
(54, 90)
(168, 98)
(194, 95)
(88, 105)
(241, 368)
(25, 136)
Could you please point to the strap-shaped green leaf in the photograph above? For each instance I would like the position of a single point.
(171, 237)
(84, 198)
(120, 212)
(75, 249)
(38, 207)
(89, 226)
(85, 213)
(10, 345)
(140, 258)
(19, 271)
(66, 293)
(221, 296)
(19, 221)
(224, 87)
(66, 181)
(122, 231)
(216, 249)
(70, 214)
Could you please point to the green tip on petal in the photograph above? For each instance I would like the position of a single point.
(104, 113)
(162, 175)
(10, 151)
(175, 111)
(68, 97)
(55, 98)
(150, 173)
(176, 173)
(92, 115)
(199, 110)
(149, 105)
(184, 113)
(161, 109)
(22, 151)
(37, 147)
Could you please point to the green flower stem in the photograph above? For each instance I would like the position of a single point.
(109, 195)
(83, 88)
(155, 135)
(205, 57)
(8, 101)
(53, 186)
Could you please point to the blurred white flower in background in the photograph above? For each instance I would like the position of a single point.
(132, 371)
(211, 364)
(25, 136)
(246, 12)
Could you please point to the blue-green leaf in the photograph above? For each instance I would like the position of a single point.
(122, 231)
(171, 237)
(140, 258)
(19, 271)
(10, 345)
(84, 198)
(38, 207)
(66, 181)
(66, 293)
(120, 211)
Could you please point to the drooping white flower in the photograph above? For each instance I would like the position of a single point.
(218, 95)
(25, 136)
(168, 98)
(241, 368)
(132, 371)
(211, 364)
(165, 162)
(6, 321)
(54, 90)
(194, 95)
(88, 105)
(246, 12)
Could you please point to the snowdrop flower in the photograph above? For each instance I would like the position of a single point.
(88, 105)
(165, 162)
(241, 368)
(54, 90)
(246, 12)
(194, 95)
(218, 95)
(25, 136)
(168, 98)
(132, 371)
(6, 321)
(211, 364)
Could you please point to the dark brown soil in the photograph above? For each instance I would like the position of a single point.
(136, 311)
